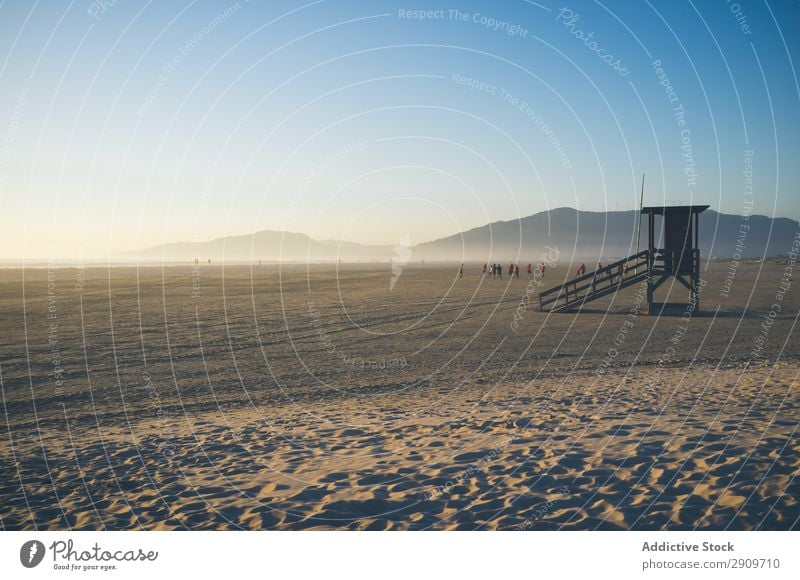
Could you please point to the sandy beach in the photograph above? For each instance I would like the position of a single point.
(313, 397)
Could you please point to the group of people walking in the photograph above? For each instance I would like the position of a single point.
(513, 270)
(496, 270)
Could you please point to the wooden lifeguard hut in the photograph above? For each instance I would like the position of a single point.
(676, 255)
(679, 256)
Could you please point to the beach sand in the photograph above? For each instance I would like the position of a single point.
(313, 397)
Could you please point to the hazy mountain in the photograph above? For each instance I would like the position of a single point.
(576, 234)
(269, 246)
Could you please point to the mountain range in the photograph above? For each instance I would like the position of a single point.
(582, 235)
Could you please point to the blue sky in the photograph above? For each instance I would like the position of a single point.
(125, 125)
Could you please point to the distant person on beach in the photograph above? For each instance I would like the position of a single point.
(529, 272)
(500, 271)
(542, 267)
(209, 261)
(484, 269)
(461, 271)
(516, 270)
(494, 270)
(511, 269)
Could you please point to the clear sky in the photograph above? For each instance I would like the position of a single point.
(128, 124)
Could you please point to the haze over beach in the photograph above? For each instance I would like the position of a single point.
(589, 236)
(347, 266)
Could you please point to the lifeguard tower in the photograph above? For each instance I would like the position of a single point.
(677, 257)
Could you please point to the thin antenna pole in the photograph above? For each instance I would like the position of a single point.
(639, 221)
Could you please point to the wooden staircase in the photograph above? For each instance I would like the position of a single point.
(609, 279)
